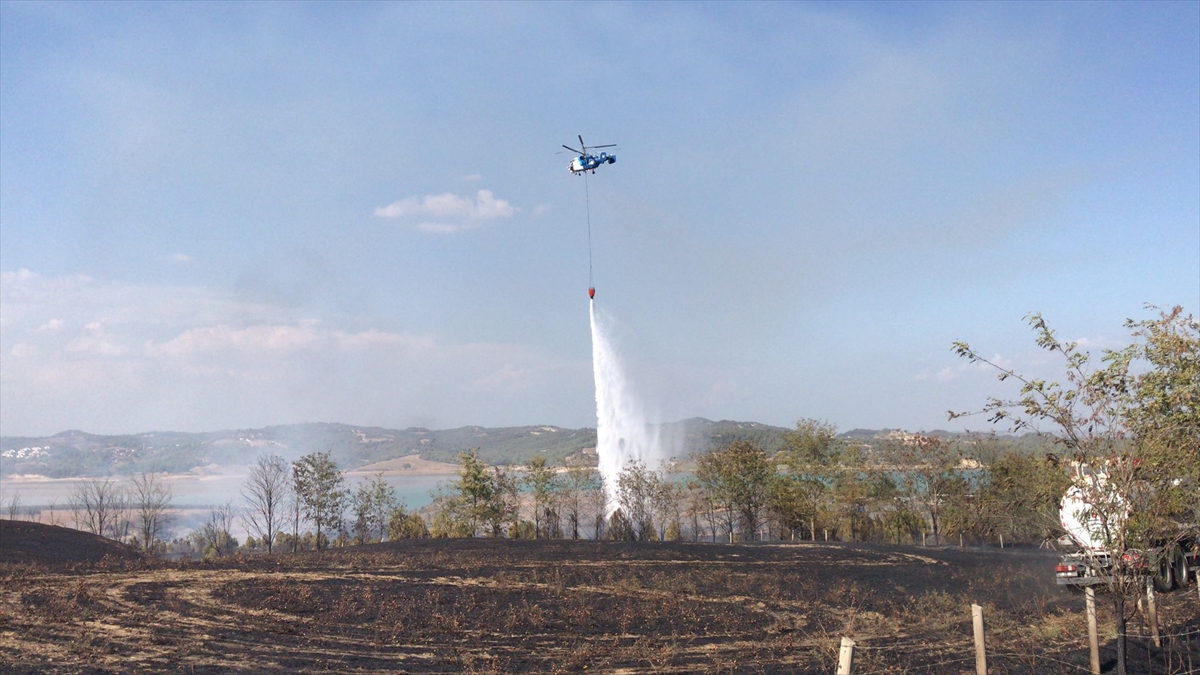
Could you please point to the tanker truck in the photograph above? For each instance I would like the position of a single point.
(1171, 561)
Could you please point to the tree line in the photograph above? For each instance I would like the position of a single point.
(902, 488)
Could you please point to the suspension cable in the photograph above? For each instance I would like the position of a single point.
(588, 200)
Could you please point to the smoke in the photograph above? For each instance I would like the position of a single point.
(624, 431)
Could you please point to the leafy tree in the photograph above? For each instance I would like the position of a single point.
(789, 503)
(372, 503)
(543, 485)
(667, 503)
(476, 488)
(482, 499)
(697, 505)
(810, 452)
(504, 510)
(449, 520)
(739, 474)
(1019, 498)
(929, 470)
(857, 488)
(710, 476)
(1132, 430)
(320, 488)
(404, 525)
(620, 528)
(637, 488)
(265, 492)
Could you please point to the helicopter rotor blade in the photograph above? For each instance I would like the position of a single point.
(573, 150)
(582, 144)
(610, 145)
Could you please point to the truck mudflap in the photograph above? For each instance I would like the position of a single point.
(1071, 573)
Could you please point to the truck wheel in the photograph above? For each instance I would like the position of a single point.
(1164, 573)
(1182, 573)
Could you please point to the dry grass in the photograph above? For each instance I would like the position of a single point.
(482, 606)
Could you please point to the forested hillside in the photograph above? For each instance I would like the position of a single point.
(78, 453)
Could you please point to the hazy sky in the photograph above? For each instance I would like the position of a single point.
(220, 215)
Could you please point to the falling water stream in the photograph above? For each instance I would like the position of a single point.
(623, 431)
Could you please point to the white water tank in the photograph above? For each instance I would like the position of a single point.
(1082, 524)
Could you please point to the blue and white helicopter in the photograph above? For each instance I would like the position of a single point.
(587, 161)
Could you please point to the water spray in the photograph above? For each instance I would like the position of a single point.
(624, 433)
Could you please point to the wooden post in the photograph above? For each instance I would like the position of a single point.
(1001, 541)
(846, 657)
(980, 652)
(1152, 612)
(827, 534)
(922, 538)
(1093, 636)
(960, 541)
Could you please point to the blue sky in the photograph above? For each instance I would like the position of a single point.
(235, 215)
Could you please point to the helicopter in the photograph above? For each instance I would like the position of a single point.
(587, 161)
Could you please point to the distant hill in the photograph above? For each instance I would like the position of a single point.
(78, 453)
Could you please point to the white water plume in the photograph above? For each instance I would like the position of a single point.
(624, 433)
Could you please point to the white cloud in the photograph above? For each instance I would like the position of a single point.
(125, 358)
(180, 258)
(22, 350)
(449, 212)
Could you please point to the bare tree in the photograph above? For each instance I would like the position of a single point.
(14, 506)
(151, 501)
(578, 483)
(98, 505)
(266, 492)
(215, 538)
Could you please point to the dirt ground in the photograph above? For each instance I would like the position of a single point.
(484, 606)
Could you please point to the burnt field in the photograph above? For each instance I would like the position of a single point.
(560, 606)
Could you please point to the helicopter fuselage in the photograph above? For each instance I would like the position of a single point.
(584, 163)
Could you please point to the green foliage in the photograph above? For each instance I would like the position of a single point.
(738, 476)
(802, 496)
(811, 446)
(930, 474)
(522, 529)
(637, 488)
(214, 539)
(320, 487)
(620, 528)
(404, 525)
(580, 490)
(1132, 430)
(373, 502)
(673, 532)
(482, 500)
(1019, 498)
(543, 484)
